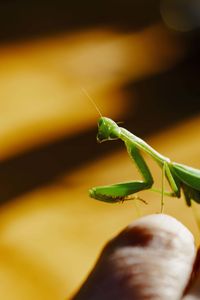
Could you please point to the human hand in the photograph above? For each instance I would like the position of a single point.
(151, 259)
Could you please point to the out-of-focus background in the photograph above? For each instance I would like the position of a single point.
(139, 60)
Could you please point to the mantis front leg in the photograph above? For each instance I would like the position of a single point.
(119, 192)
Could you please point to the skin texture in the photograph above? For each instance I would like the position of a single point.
(150, 259)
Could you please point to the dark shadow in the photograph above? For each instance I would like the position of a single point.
(22, 19)
(45, 164)
(166, 98)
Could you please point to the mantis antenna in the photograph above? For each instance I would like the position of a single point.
(92, 101)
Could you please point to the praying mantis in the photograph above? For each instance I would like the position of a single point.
(180, 177)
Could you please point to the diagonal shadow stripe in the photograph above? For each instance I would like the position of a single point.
(43, 165)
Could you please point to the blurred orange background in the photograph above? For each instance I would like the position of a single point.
(141, 66)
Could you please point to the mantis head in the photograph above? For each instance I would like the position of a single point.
(107, 130)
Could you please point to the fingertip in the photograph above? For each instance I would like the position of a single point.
(166, 223)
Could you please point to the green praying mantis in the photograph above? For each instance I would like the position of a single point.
(181, 178)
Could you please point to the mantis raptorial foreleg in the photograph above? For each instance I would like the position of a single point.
(117, 192)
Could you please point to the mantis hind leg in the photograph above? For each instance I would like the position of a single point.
(163, 183)
(119, 192)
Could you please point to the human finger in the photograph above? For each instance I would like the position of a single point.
(151, 259)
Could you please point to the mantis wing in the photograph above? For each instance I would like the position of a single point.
(190, 181)
(187, 175)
